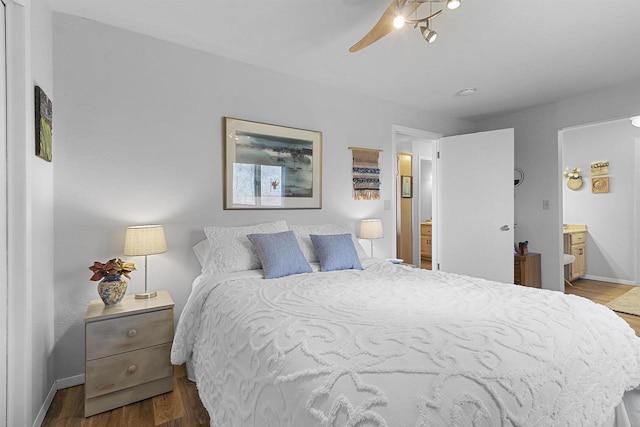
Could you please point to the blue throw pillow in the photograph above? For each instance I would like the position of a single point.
(279, 254)
(335, 252)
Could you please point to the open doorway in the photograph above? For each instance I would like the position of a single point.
(413, 200)
(599, 194)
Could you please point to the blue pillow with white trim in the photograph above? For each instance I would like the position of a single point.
(279, 254)
(335, 252)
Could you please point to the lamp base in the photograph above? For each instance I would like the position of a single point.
(147, 295)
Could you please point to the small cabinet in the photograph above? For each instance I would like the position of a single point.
(426, 244)
(127, 351)
(526, 270)
(575, 243)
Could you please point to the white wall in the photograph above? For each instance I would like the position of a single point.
(139, 140)
(537, 153)
(610, 217)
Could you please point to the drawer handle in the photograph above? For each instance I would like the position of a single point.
(131, 369)
(132, 333)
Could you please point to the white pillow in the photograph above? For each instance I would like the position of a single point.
(230, 250)
(201, 250)
(302, 233)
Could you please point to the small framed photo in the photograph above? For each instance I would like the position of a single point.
(271, 167)
(406, 186)
(44, 113)
(600, 185)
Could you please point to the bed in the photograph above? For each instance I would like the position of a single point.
(392, 345)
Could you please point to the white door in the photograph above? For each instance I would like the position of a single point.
(474, 220)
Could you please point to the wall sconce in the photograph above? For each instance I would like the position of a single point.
(575, 179)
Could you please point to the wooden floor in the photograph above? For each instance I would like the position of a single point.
(180, 408)
(603, 292)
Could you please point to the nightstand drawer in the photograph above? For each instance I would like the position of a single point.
(114, 336)
(577, 238)
(126, 370)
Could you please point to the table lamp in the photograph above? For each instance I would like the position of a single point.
(145, 240)
(371, 229)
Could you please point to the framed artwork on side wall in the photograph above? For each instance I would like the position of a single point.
(271, 167)
(406, 186)
(43, 122)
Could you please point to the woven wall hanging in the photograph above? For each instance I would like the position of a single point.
(366, 173)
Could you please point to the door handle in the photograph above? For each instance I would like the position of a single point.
(505, 228)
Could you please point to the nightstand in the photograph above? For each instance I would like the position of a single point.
(127, 352)
(526, 270)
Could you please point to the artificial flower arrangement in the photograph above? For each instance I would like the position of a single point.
(113, 267)
(572, 173)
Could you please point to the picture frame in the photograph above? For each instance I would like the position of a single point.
(600, 167)
(600, 185)
(406, 186)
(271, 167)
(43, 125)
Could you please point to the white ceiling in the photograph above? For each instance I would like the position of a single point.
(517, 53)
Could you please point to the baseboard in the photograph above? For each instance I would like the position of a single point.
(609, 279)
(57, 385)
(70, 381)
(45, 406)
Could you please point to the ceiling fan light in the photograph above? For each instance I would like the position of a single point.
(398, 21)
(453, 4)
(635, 121)
(428, 34)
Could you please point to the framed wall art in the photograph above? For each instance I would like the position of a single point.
(271, 167)
(43, 122)
(406, 186)
(600, 184)
(600, 167)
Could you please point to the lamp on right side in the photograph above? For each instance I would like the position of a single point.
(371, 229)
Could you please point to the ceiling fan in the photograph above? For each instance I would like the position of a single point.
(397, 14)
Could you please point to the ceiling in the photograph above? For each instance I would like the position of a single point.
(517, 53)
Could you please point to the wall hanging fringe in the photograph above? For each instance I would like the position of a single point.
(366, 173)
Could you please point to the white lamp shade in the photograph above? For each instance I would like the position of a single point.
(635, 121)
(144, 240)
(371, 229)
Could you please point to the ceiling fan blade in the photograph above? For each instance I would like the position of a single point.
(384, 25)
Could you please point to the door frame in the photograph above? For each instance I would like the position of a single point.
(19, 381)
(3, 218)
(636, 178)
(396, 132)
(434, 204)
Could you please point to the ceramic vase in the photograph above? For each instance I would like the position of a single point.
(112, 289)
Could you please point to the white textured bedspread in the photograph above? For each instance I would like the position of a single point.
(397, 346)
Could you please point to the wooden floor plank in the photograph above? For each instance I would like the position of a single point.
(180, 408)
(603, 293)
(195, 413)
(168, 407)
